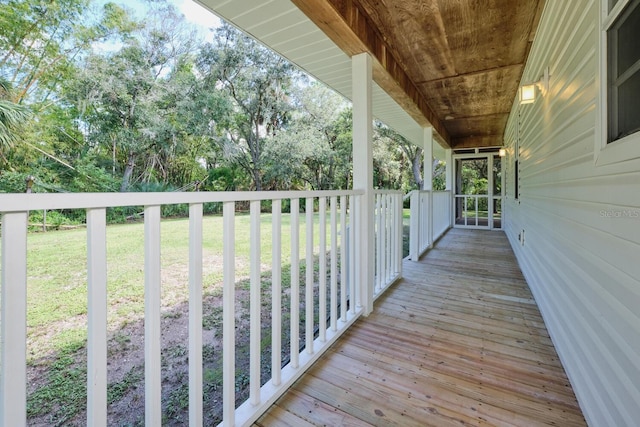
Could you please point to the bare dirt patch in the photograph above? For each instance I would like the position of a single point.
(126, 400)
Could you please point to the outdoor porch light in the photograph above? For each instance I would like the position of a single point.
(527, 92)
(502, 152)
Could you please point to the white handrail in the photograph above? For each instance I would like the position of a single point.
(38, 201)
(339, 226)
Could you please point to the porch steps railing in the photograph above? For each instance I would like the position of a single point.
(339, 291)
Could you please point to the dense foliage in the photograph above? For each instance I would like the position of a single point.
(94, 99)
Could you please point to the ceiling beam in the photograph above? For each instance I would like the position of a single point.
(348, 26)
(478, 141)
(518, 67)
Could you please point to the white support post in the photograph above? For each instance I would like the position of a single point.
(428, 179)
(448, 172)
(13, 346)
(97, 317)
(449, 182)
(363, 175)
(152, 338)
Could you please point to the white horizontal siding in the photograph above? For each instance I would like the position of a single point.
(581, 223)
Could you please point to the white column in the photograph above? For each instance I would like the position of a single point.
(449, 169)
(363, 175)
(448, 172)
(427, 146)
(427, 179)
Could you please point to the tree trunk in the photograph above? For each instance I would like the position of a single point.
(128, 171)
(257, 179)
(416, 164)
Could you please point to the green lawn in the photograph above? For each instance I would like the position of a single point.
(57, 308)
(57, 289)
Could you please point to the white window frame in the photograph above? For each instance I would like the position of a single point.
(627, 148)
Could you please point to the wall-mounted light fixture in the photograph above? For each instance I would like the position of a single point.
(527, 92)
(502, 152)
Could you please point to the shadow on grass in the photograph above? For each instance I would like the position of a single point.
(57, 394)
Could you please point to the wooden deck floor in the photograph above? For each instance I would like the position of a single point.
(459, 341)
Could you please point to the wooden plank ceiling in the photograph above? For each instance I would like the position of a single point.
(452, 64)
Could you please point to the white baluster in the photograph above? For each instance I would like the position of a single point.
(309, 278)
(13, 394)
(295, 282)
(254, 304)
(195, 315)
(97, 317)
(228, 315)
(276, 293)
(343, 258)
(322, 273)
(378, 239)
(152, 338)
(334, 266)
(354, 295)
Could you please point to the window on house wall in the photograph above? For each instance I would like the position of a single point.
(617, 137)
(623, 71)
(516, 189)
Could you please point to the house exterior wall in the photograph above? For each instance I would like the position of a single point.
(575, 227)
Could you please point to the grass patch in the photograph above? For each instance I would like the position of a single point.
(57, 281)
(57, 308)
(64, 394)
(116, 391)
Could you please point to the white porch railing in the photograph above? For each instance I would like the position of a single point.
(469, 210)
(442, 218)
(419, 226)
(430, 219)
(388, 238)
(335, 220)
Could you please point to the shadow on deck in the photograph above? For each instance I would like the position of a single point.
(458, 341)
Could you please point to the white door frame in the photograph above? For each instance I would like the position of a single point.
(489, 156)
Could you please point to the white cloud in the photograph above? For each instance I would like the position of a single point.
(198, 14)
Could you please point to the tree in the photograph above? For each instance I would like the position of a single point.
(12, 116)
(124, 97)
(41, 40)
(315, 148)
(258, 82)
